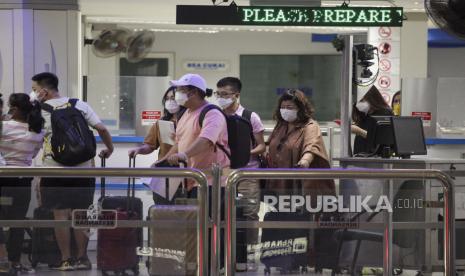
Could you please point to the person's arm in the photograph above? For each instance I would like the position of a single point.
(311, 145)
(142, 149)
(150, 144)
(106, 138)
(260, 141)
(199, 146)
(358, 131)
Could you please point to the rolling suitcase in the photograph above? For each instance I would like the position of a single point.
(116, 248)
(290, 250)
(174, 246)
(44, 245)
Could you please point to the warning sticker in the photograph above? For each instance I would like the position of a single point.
(149, 117)
(384, 64)
(425, 117)
(384, 82)
(384, 32)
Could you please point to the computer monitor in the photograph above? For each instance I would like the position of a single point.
(380, 136)
(409, 138)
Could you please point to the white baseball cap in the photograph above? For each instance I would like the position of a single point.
(190, 79)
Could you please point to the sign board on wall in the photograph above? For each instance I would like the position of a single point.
(425, 117)
(204, 65)
(149, 117)
(289, 16)
(387, 40)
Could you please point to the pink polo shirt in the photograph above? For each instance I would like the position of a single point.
(213, 128)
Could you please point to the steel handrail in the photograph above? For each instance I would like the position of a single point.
(235, 177)
(198, 176)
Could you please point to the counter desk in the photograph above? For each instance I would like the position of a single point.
(419, 246)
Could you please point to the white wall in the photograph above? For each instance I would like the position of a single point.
(225, 46)
(446, 62)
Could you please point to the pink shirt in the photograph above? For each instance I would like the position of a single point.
(214, 129)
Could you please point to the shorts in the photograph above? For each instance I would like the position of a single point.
(67, 193)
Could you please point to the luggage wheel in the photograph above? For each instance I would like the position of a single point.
(267, 271)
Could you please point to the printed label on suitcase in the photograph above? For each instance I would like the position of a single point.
(94, 217)
(284, 247)
(166, 253)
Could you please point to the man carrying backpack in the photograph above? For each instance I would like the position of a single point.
(227, 94)
(201, 134)
(199, 144)
(68, 143)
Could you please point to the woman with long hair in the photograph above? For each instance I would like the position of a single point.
(371, 104)
(296, 141)
(171, 112)
(21, 140)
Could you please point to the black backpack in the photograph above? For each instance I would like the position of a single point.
(72, 140)
(240, 136)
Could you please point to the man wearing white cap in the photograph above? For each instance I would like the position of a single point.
(198, 145)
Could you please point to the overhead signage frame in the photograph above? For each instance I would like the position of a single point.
(343, 16)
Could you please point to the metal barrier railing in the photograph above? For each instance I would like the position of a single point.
(449, 229)
(202, 221)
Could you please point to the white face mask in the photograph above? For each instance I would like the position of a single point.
(288, 115)
(363, 107)
(33, 96)
(180, 98)
(225, 103)
(172, 106)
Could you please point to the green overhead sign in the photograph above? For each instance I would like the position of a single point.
(290, 16)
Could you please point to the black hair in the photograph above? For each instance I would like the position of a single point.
(166, 115)
(208, 93)
(30, 112)
(305, 107)
(1, 100)
(47, 80)
(376, 101)
(393, 97)
(235, 83)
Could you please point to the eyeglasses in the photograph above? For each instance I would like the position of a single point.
(219, 94)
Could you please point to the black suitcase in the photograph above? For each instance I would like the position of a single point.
(290, 250)
(116, 248)
(44, 245)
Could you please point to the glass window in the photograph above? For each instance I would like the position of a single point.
(266, 77)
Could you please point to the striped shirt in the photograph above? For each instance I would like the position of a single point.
(18, 145)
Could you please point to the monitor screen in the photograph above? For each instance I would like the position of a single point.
(408, 136)
(380, 135)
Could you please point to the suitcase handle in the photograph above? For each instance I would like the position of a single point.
(102, 179)
(131, 180)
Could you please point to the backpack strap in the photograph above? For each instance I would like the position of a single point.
(48, 108)
(202, 117)
(73, 102)
(247, 114)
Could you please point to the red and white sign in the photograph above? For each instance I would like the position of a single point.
(384, 32)
(149, 117)
(425, 117)
(384, 82)
(385, 64)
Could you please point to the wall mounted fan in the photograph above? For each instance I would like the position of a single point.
(111, 42)
(448, 15)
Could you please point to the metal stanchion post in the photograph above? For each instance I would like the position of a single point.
(216, 221)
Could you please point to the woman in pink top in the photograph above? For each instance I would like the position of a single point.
(22, 138)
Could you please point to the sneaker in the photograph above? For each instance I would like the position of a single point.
(66, 265)
(83, 263)
(23, 269)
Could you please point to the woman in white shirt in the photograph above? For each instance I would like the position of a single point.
(21, 140)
